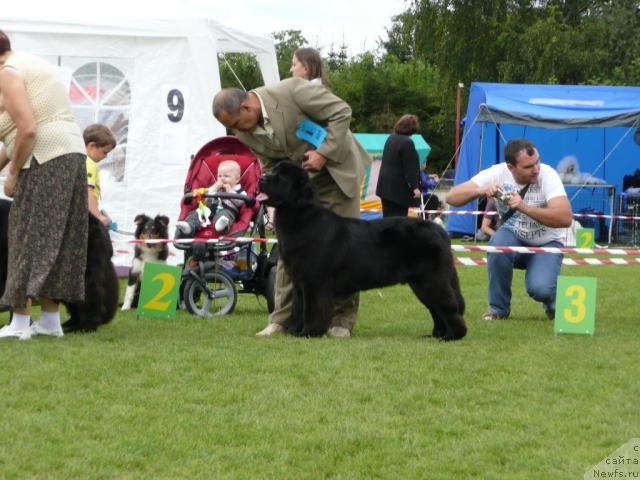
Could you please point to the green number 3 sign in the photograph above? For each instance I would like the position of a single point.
(159, 290)
(575, 305)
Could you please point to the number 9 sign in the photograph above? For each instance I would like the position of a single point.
(175, 104)
(159, 290)
(575, 305)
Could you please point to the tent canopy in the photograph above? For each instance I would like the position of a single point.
(557, 106)
(148, 71)
(595, 124)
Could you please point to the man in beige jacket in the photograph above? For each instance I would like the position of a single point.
(266, 120)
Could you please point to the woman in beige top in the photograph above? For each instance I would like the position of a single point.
(45, 152)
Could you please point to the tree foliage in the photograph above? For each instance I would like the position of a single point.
(239, 70)
(518, 41)
(380, 90)
(434, 44)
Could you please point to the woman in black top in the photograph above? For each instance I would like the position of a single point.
(400, 169)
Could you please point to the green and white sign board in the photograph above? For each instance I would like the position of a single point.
(585, 238)
(576, 305)
(159, 290)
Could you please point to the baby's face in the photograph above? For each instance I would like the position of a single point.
(228, 176)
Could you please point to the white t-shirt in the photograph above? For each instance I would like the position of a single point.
(529, 231)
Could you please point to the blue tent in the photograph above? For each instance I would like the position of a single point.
(595, 124)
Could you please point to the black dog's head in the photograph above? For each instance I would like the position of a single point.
(151, 228)
(288, 185)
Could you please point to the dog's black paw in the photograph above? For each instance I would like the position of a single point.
(74, 325)
(313, 332)
(438, 332)
(456, 334)
(295, 330)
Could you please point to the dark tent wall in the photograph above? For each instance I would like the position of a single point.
(589, 123)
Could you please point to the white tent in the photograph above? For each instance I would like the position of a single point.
(150, 80)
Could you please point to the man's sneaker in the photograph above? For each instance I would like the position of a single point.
(21, 334)
(339, 332)
(489, 315)
(183, 227)
(271, 329)
(551, 314)
(37, 329)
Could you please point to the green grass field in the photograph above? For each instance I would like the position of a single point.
(205, 398)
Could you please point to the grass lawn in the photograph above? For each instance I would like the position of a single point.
(205, 398)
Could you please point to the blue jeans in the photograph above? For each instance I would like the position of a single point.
(540, 280)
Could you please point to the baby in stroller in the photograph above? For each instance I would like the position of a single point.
(226, 210)
(219, 201)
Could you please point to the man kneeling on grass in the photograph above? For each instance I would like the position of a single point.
(534, 211)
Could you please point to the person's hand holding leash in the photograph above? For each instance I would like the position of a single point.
(314, 161)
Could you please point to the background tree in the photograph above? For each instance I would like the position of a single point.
(239, 70)
(434, 44)
(517, 41)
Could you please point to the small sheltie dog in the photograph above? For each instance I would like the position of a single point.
(147, 228)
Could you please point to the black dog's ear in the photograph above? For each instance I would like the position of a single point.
(162, 219)
(305, 195)
(141, 219)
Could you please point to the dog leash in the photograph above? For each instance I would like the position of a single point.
(113, 227)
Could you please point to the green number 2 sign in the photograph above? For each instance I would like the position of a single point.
(585, 238)
(575, 305)
(159, 290)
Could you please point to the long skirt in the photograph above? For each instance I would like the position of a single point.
(48, 232)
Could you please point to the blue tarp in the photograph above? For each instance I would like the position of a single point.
(591, 123)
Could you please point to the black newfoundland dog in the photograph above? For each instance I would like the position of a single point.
(100, 282)
(328, 255)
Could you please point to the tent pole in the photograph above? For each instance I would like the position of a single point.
(612, 190)
(476, 202)
(460, 86)
(498, 134)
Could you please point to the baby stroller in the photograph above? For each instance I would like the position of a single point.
(214, 273)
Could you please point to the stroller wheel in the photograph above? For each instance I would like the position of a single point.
(270, 288)
(215, 296)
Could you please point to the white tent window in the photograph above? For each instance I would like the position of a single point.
(100, 93)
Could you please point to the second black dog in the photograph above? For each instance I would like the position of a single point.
(101, 284)
(100, 281)
(328, 255)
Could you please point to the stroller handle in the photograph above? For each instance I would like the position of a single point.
(203, 193)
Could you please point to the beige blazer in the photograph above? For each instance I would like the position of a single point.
(290, 102)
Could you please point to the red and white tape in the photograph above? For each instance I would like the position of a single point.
(579, 251)
(467, 261)
(455, 248)
(482, 212)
